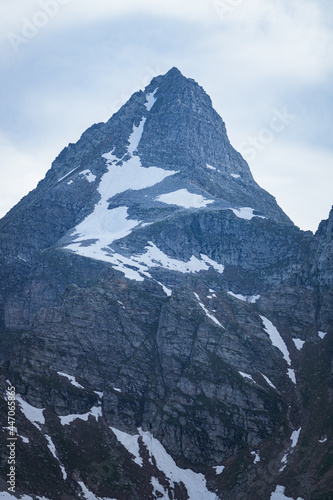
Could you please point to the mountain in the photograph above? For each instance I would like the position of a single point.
(166, 327)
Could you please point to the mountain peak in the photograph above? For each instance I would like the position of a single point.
(174, 72)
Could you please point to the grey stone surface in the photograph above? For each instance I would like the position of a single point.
(168, 364)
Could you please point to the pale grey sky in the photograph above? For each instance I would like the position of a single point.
(266, 64)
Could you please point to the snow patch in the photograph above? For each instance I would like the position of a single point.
(219, 469)
(291, 375)
(151, 99)
(210, 316)
(194, 483)
(322, 335)
(210, 167)
(294, 440)
(218, 267)
(235, 176)
(130, 443)
(278, 494)
(24, 439)
(299, 343)
(278, 342)
(284, 460)
(88, 175)
(105, 225)
(34, 415)
(135, 136)
(322, 440)
(295, 437)
(183, 198)
(246, 213)
(256, 457)
(166, 290)
(96, 412)
(251, 299)
(268, 381)
(158, 488)
(276, 338)
(246, 375)
(89, 495)
(71, 379)
(154, 257)
(52, 449)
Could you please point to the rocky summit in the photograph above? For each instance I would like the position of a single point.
(166, 331)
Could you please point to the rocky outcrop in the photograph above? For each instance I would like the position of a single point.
(166, 326)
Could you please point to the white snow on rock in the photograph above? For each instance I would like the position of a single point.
(210, 316)
(153, 257)
(212, 263)
(295, 437)
(278, 494)
(88, 495)
(96, 412)
(194, 483)
(246, 213)
(24, 439)
(251, 299)
(135, 136)
(150, 99)
(291, 375)
(278, 342)
(51, 446)
(52, 449)
(210, 167)
(130, 443)
(299, 343)
(219, 469)
(71, 379)
(322, 335)
(246, 375)
(322, 440)
(276, 338)
(284, 461)
(158, 488)
(256, 457)
(105, 225)
(294, 440)
(34, 415)
(235, 176)
(268, 381)
(88, 175)
(183, 198)
(166, 290)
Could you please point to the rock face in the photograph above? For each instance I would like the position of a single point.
(167, 329)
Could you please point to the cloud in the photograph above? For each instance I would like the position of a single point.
(20, 172)
(300, 178)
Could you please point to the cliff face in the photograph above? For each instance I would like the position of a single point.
(167, 327)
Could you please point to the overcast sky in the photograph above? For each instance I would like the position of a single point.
(267, 65)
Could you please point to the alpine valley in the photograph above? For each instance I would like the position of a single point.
(166, 329)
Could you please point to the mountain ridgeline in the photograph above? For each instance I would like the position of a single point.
(166, 327)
